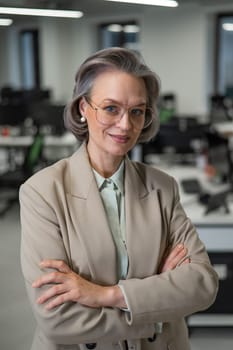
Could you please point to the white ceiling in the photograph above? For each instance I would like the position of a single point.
(100, 7)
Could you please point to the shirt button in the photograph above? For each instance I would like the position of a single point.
(91, 346)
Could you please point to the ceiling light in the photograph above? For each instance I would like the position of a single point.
(5, 21)
(131, 28)
(114, 28)
(228, 26)
(40, 12)
(168, 3)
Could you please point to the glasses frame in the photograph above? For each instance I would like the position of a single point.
(96, 108)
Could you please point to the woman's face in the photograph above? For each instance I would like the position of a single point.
(110, 89)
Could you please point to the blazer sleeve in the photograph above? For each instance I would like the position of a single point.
(180, 292)
(70, 323)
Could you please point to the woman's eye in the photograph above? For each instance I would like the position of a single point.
(137, 112)
(111, 109)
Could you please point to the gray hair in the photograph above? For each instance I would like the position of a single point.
(109, 60)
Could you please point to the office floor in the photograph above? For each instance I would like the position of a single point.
(16, 320)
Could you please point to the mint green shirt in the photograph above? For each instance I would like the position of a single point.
(112, 194)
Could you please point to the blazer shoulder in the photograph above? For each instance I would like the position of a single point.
(154, 175)
(44, 180)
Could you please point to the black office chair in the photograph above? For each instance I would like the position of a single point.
(221, 108)
(220, 155)
(10, 181)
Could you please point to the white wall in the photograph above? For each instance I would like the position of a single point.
(64, 46)
(176, 43)
(4, 56)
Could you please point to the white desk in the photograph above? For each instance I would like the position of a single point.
(58, 147)
(65, 140)
(214, 229)
(224, 128)
(55, 147)
(15, 141)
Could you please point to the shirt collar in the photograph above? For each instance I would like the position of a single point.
(117, 178)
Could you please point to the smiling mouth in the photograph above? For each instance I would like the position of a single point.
(120, 138)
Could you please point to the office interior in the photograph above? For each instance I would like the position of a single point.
(193, 56)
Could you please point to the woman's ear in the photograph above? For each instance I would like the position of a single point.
(83, 105)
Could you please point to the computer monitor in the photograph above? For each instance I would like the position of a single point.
(50, 116)
(13, 114)
(13, 96)
(180, 135)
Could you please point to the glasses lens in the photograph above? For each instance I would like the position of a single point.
(140, 119)
(148, 117)
(105, 117)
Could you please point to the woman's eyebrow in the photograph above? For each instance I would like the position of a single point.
(110, 100)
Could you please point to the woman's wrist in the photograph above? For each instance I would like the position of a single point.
(114, 297)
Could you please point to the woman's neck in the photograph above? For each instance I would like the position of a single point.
(106, 164)
(107, 169)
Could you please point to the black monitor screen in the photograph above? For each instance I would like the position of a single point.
(49, 115)
(12, 114)
(181, 135)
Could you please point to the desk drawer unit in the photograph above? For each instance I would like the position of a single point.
(218, 240)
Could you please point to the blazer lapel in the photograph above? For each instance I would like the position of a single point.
(143, 223)
(90, 219)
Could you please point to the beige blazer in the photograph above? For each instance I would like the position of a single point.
(62, 217)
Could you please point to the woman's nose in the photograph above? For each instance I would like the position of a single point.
(125, 122)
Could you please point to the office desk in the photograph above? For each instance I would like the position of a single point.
(15, 141)
(224, 128)
(216, 231)
(55, 147)
(65, 140)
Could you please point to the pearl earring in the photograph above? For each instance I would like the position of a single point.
(82, 119)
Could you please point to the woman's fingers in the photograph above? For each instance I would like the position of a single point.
(59, 265)
(51, 292)
(174, 258)
(59, 300)
(52, 277)
(65, 285)
(186, 261)
(175, 253)
(48, 278)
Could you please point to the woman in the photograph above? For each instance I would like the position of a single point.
(97, 227)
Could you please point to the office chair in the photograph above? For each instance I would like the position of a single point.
(220, 155)
(11, 180)
(167, 107)
(221, 108)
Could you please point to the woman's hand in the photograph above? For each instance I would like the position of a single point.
(69, 286)
(175, 258)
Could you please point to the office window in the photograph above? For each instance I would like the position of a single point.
(122, 34)
(224, 59)
(29, 59)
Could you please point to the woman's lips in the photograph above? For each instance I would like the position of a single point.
(120, 138)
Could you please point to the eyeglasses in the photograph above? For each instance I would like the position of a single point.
(109, 113)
